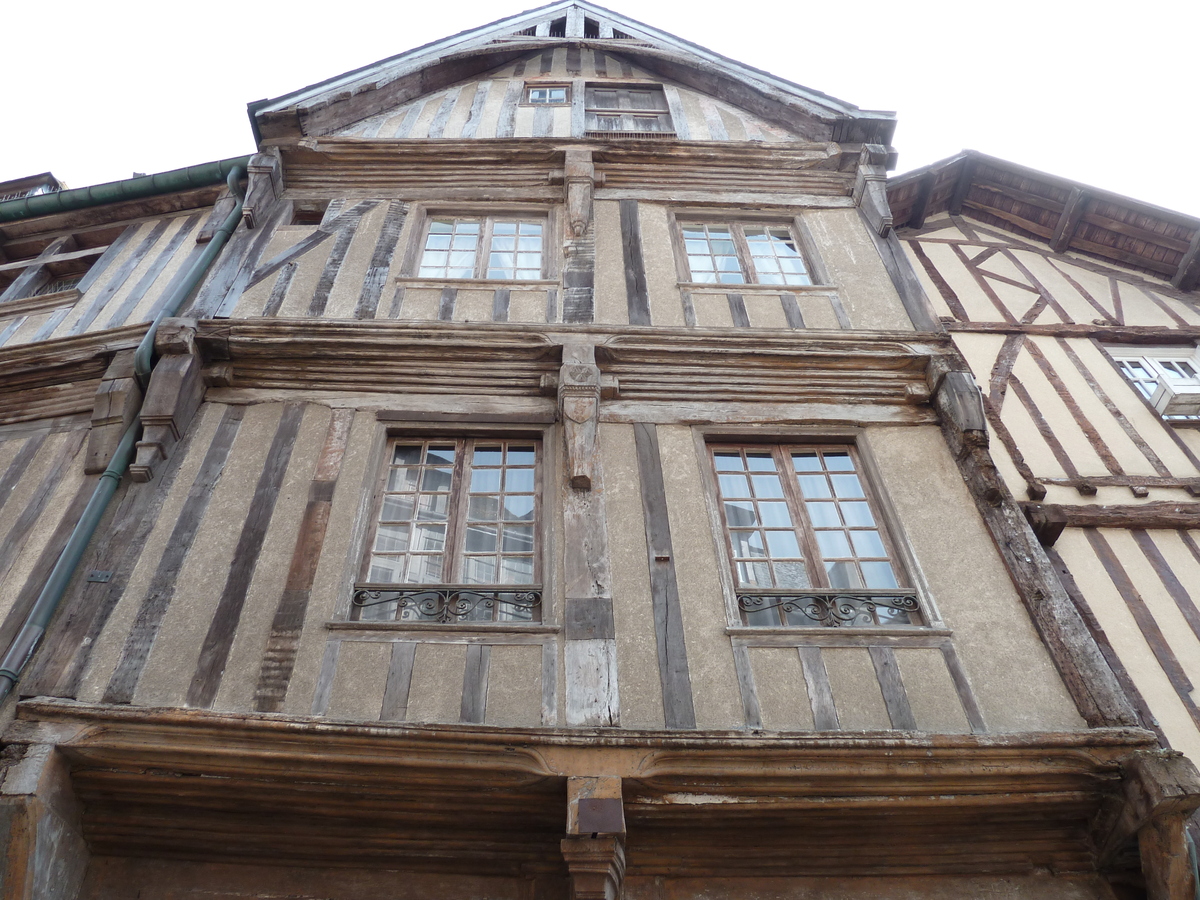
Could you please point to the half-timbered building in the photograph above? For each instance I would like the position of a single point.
(540, 470)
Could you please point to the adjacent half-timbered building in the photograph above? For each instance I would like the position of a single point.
(540, 471)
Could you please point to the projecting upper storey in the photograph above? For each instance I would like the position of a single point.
(565, 70)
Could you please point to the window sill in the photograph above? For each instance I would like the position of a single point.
(24, 306)
(754, 288)
(475, 282)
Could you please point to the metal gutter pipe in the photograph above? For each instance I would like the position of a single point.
(130, 189)
(34, 628)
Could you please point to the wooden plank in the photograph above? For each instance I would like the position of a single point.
(475, 113)
(11, 328)
(1085, 424)
(130, 303)
(1010, 350)
(920, 206)
(900, 271)
(79, 622)
(506, 122)
(399, 682)
(962, 187)
(347, 229)
(500, 300)
(1158, 515)
(120, 276)
(381, 260)
(43, 259)
(668, 616)
(737, 310)
(23, 524)
(475, 679)
(574, 59)
(324, 688)
(177, 279)
(1041, 289)
(679, 119)
(839, 312)
(397, 302)
(579, 279)
(17, 466)
(236, 267)
(552, 306)
(51, 551)
(48, 327)
(820, 694)
(546, 65)
(997, 302)
(895, 698)
(404, 129)
(689, 309)
(746, 688)
(1115, 411)
(214, 652)
(1069, 220)
(279, 289)
(550, 684)
(293, 253)
(1175, 588)
(962, 687)
(791, 310)
(636, 292)
(283, 642)
(1145, 621)
(23, 283)
(446, 304)
(943, 286)
(161, 591)
(437, 126)
(600, 61)
(1187, 273)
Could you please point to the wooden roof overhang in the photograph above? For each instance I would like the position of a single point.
(339, 101)
(193, 784)
(1065, 214)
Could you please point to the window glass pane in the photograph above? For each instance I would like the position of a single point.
(760, 462)
(838, 462)
(867, 543)
(516, 570)
(396, 508)
(436, 479)
(741, 514)
(424, 570)
(518, 539)
(879, 574)
(711, 254)
(407, 454)
(823, 515)
(734, 485)
(483, 508)
(814, 486)
(846, 485)
(403, 479)
(767, 486)
(728, 461)
(843, 575)
(484, 480)
(461, 238)
(481, 539)
(518, 481)
(518, 509)
(833, 544)
(858, 514)
(773, 514)
(521, 455)
(479, 570)
(806, 462)
(783, 544)
(791, 575)
(748, 544)
(487, 456)
(391, 538)
(752, 573)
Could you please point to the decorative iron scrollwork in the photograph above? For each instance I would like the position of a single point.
(453, 603)
(835, 610)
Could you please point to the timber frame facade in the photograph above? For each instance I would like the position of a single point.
(570, 480)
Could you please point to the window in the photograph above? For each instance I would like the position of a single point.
(805, 539)
(735, 253)
(1168, 377)
(631, 111)
(484, 247)
(458, 518)
(548, 94)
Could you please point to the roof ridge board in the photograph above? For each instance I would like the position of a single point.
(419, 56)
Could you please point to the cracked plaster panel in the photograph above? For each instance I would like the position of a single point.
(1002, 653)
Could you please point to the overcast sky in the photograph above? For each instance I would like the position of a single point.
(1100, 93)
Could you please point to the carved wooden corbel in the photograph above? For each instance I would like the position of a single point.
(581, 180)
(579, 404)
(870, 188)
(595, 844)
(117, 402)
(264, 187)
(175, 391)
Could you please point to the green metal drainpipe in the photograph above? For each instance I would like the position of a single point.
(30, 635)
(129, 189)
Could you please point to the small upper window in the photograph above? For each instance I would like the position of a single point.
(490, 247)
(1168, 377)
(743, 254)
(630, 111)
(806, 542)
(548, 95)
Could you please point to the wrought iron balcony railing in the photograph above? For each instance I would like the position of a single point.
(447, 603)
(816, 608)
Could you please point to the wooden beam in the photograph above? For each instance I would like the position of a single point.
(966, 175)
(1187, 275)
(1069, 220)
(920, 207)
(1160, 514)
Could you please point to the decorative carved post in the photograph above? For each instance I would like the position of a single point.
(117, 401)
(1161, 790)
(175, 391)
(590, 652)
(580, 177)
(580, 180)
(870, 188)
(595, 844)
(263, 188)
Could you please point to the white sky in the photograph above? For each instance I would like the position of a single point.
(1102, 93)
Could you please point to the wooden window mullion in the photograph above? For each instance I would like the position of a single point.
(804, 531)
(456, 513)
(743, 253)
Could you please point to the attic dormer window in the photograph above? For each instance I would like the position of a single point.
(630, 111)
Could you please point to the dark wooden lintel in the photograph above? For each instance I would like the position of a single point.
(1159, 514)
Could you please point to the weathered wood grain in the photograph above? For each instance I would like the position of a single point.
(506, 122)
(636, 293)
(895, 698)
(324, 689)
(25, 282)
(218, 641)
(737, 310)
(437, 126)
(1043, 426)
(475, 113)
(475, 679)
(1174, 587)
(962, 687)
(550, 684)
(15, 470)
(279, 289)
(947, 293)
(399, 682)
(381, 260)
(673, 671)
(820, 693)
(135, 296)
(746, 687)
(333, 265)
(446, 304)
(154, 605)
(404, 129)
(283, 642)
(118, 278)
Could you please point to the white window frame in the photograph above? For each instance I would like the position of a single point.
(1152, 359)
